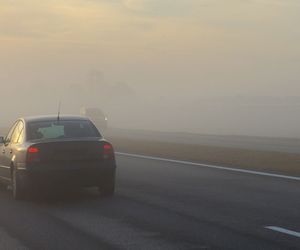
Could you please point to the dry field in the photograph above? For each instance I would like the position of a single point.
(274, 162)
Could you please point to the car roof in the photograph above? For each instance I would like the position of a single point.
(54, 118)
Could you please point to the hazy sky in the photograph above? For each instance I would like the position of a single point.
(179, 47)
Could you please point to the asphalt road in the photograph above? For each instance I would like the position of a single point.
(160, 205)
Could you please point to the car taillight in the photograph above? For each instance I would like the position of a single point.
(33, 150)
(108, 151)
(33, 154)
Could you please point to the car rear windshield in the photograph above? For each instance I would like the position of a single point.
(61, 129)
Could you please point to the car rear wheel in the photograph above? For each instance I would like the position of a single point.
(19, 188)
(108, 191)
(107, 188)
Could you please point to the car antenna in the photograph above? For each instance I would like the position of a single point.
(58, 113)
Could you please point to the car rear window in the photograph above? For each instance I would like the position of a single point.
(61, 129)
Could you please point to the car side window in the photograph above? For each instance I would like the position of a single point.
(17, 132)
(22, 134)
(9, 135)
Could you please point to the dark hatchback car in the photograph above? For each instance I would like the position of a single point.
(53, 151)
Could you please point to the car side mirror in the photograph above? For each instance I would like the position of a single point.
(2, 140)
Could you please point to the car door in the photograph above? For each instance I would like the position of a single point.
(11, 149)
(4, 152)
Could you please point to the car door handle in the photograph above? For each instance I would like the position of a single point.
(3, 151)
(10, 151)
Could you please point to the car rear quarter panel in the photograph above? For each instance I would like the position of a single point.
(19, 156)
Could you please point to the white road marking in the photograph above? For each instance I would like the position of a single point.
(211, 166)
(283, 230)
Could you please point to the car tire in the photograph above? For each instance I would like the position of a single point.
(19, 189)
(108, 188)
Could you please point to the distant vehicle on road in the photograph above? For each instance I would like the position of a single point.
(50, 150)
(97, 116)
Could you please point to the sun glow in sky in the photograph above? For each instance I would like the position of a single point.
(196, 47)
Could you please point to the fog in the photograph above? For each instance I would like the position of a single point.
(209, 67)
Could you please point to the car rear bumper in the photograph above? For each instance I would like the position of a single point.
(84, 177)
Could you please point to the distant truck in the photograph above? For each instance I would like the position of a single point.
(97, 116)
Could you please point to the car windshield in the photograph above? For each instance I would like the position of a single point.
(61, 129)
